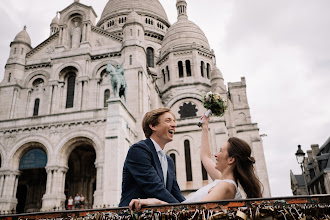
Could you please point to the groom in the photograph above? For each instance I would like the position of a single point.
(148, 172)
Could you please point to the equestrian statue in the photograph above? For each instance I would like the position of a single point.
(118, 81)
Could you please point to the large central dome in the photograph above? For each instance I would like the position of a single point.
(148, 7)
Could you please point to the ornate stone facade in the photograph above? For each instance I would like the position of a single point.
(57, 97)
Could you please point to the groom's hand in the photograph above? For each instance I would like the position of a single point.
(135, 204)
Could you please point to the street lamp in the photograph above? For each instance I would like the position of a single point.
(300, 155)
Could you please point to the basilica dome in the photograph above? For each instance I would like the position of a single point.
(184, 33)
(148, 7)
(23, 36)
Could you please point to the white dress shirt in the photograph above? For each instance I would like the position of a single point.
(162, 159)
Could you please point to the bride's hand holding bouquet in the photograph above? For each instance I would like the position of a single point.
(214, 104)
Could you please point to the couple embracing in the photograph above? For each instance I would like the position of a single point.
(149, 175)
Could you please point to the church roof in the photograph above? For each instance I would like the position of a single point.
(23, 36)
(183, 33)
(151, 7)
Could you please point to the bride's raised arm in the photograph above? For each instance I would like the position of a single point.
(205, 151)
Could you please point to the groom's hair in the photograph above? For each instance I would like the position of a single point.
(151, 118)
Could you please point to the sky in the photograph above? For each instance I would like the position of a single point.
(281, 47)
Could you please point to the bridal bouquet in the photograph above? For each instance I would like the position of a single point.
(214, 105)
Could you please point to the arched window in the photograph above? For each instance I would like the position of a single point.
(22, 51)
(38, 82)
(35, 158)
(36, 107)
(106, 97)
(188, 68)
(204, 173)
(130, 59)
(174, 160)
(150, 57)
(180, 66)
(208, 70)
(9, 77)
(188, 160)
(15, 50)
(163, 72)
(239, 98)
(168, 74)
(202, 68)
(70, 90)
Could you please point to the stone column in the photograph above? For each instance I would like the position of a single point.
(62, 41)
(15, 186)
(9, 187)
(54, 106)
(98, 194)
(13, 104)
(62, 97)
(60, 180)
(10, 183)
(116, 146)
(49, 180)
(86, 30)
(5, 185)
(2, 179)
(54, 195)
(78, 98)
(27, 103)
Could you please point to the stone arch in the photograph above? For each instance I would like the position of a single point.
(80, 152)
(96, 73)
(61, 74)
(30, 183)
(192, 143)
(242, 117)
(70, 141)
(74, 14)
(174, 154)
(24, 145)
(172, 151)
(44, 75)
(178, 98)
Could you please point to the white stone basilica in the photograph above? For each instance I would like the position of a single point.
(63, 131)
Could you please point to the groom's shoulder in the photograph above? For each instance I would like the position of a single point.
(142, 144)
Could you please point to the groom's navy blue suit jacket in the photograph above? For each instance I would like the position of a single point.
(143, 176)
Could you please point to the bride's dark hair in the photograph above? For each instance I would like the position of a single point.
(244, 169)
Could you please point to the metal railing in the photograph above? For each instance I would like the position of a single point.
(297, 207)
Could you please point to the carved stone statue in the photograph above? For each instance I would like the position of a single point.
(76, 35)
(118, 81)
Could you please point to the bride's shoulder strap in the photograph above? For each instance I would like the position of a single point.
(230, 181)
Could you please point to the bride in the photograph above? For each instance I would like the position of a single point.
(233, 165)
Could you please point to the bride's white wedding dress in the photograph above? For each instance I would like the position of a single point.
(202, 192)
